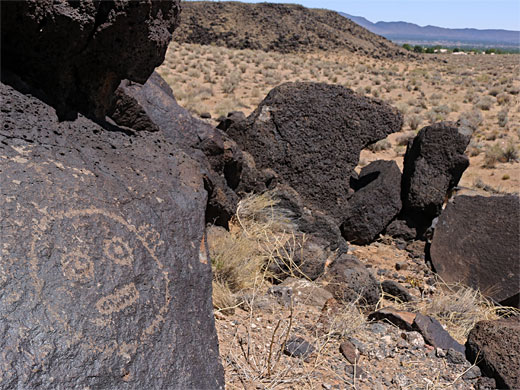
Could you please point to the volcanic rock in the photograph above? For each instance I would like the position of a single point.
(314, 131)
(152, 106)
(376, 201)
(396, 291)
(102, 279)
(494, 345)
(434, 334)
(399, 229)
(76, 53)
(349, 281)
(433, 165)
(476, 242)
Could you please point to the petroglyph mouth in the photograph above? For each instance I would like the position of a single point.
(120, 299)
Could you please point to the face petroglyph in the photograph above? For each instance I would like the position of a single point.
(94, 265)
(78, 252)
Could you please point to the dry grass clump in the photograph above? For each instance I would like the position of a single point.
(459, 308)
(240, 257)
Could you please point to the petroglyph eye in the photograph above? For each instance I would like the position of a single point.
(77, 266)
(117, 250)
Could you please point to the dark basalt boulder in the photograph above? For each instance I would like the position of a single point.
(311, 135)
(77, 52)
(228, 171)
(102, 281)
(350, 281)
(433, 165)
(476, 242)
(494, 345)
(375, 202)
(399, 229)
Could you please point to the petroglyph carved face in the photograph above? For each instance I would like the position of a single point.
(106, 266)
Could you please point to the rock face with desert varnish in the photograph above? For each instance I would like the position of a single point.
(105, 282)
(77, 52)
(311, 134)
(476, 242)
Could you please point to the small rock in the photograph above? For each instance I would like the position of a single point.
(205, 115)
(396, 291)
(414, 338)
(401, 319)
(349, 351)
(455, 357)
(378, 328)
(434, 334)
(355, 370)
(382, 272)
(387, 340)
(401, 380)
(402, 344)
(298, 347)
(326, 386)
(441, 353)
(401, 266)
(300, 291)
(362, 348)
(473, 373)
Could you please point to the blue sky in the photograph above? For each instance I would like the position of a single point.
(501, 14)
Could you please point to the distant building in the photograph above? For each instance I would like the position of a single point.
(459, 53)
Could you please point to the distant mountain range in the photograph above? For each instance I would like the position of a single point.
(403, 32)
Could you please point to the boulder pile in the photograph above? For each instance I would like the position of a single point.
(104, 274)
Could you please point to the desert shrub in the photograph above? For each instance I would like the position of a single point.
(442, 109)
(231, 82)
(403, 139)
(503, 98)
(503, 118)
(433, 117)
(496, 153)
(510, 152)
(473, 118)
(414, 121)
(494, 91)
(379, 146)
(485, 103)
(474, 148)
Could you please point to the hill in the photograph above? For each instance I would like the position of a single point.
(402, 32)
(277, 27)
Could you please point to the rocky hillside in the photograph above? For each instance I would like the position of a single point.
(279, 27)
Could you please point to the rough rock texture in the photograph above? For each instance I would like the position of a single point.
(396, 291)
(311, 134)
(349, 280)
(495, 345)
(102, 282)
(434, 333)
(433, 164)
(476, 242)
(399, 229)
(300, 291)
(78, 52)
(152, 106)
(401, 319)
(375, 202)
